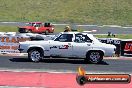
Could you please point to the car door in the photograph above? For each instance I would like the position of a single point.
(62, 46)
(80, 45)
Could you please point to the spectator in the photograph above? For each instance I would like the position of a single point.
(113, 35)
(109, 34)
(67, 29)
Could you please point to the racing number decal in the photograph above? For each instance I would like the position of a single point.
(64, 47)
(60, 47)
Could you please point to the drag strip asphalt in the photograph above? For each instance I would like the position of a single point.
(66, 65)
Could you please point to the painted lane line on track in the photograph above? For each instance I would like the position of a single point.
(10, 22)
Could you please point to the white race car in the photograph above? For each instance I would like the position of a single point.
(70, 45)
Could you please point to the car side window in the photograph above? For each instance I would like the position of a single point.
(80, 38)
(37, 25)
(65, 38)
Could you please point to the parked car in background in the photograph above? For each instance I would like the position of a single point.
(37, 27)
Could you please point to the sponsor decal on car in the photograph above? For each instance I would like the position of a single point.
(64, 47)
(53, 47)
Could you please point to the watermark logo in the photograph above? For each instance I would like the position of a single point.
(83, 78)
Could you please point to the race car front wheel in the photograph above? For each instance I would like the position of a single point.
(94, 57)
(35, 55)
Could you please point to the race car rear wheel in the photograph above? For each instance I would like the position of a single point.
(35, 55)
(94, 57)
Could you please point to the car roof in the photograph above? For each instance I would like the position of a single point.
(75, 33)
(70, 32)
